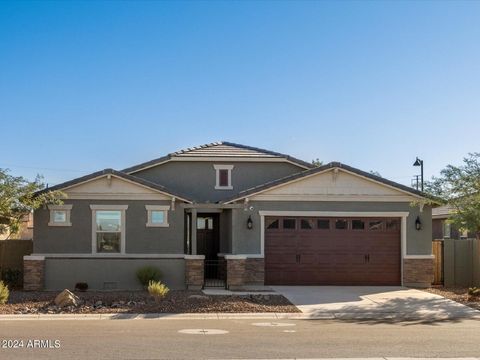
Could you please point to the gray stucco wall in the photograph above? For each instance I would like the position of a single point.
(197, 179)
(246, 241)
(65, 273)
(139, 238)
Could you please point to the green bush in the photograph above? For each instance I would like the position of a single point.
(474, 291)
(11, 277)
(147, 274)
(157, 290)
(4, 293)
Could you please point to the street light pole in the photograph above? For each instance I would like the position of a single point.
(419, 162)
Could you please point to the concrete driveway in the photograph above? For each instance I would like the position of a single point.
(373, 302)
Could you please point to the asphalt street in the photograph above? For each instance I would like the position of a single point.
(239, 339)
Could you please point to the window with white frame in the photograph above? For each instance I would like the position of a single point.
(60, 215)
(157, 215)
(223, 176)
(108, 227)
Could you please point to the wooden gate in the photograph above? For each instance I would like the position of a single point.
(437, 251)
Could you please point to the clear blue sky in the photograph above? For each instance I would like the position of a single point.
(90, 85)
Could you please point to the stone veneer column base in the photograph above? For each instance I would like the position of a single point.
(194, 271)
(33, 273)
(418, 272)
(255, 271)
(236, 271)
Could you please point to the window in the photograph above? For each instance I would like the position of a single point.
(272, 224)
(358, 224)
(289, 223)
(392, 225)
(447, 230)
(60, 215)
(223, 175)
(108, 229)
(341, 224)
(323, 224)
(306, 224)
(205, 223)
(157, 215)
(375, 225)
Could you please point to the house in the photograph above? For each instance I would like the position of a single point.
(258, 216)
(442, 229)
(25, 232)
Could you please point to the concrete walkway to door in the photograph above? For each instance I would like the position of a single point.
(374, 303)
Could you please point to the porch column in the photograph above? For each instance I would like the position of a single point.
(193, 235)
(33, 273)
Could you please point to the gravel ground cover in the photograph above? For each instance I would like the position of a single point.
(94, 302)
(458, 294)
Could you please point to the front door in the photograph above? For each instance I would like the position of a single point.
(208, 243)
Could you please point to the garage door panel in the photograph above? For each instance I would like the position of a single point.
(314, 256)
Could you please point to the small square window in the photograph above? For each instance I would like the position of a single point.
(157, 215)
(375, 225)
(358, 224)
(341, 224)
(392, 225)
(306, 224)
(223, 174)
(273, 224)
(289, 223)
(60, 215)
(323, 224)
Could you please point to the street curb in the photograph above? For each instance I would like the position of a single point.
(236, 316)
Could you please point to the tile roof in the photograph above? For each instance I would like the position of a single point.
(222, 149)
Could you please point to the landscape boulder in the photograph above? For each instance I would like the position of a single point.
(67, 298)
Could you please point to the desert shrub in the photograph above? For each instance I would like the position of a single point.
(147, 274)
(4, 293)
(81, 286)
(11, 277)
(474, 291)
(157, 290)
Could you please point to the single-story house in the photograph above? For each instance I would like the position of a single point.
(258, 216)
(442, 228)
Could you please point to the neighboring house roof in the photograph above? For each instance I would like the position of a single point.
(298, 176)
(119, 174)
(442, 212)
(221, 149)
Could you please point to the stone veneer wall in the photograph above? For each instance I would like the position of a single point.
(194, 271)
(418, 272)
(33, 273)
(255, 271)
(236, 272)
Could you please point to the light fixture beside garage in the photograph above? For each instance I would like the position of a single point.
(418, 223)
(249, 223)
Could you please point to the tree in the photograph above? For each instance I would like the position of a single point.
(316, 162)
(18, 199)
(459, 186)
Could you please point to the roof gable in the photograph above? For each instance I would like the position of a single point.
(331, 182)
(113, 184)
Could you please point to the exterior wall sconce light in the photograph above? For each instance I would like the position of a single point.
(418, 223)
(249, 223)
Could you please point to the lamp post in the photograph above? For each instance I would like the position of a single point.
(419, 162)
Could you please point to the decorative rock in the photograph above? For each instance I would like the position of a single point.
(198, 297)
(67, 298)
(98, 303)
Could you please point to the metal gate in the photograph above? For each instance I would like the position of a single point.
(215, 273)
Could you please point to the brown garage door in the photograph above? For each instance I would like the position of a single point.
(332, 251)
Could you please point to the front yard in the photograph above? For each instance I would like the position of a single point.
(458, 294)
(95, 302)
